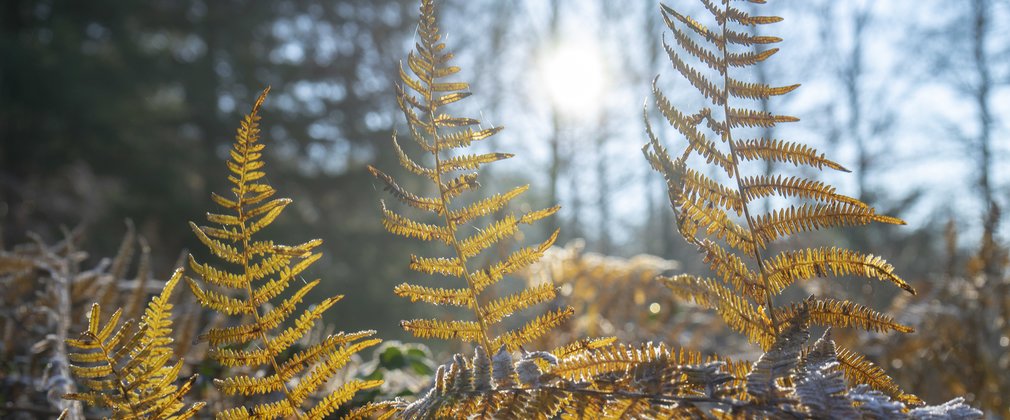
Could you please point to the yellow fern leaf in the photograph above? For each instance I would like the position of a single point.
(765, 186)
(703, 206)
(498, 309)
(467, 331)
(738, 313)
(783, 151)
(806, 217)
(127, 369)
(858, 370)
(790, 266)
(268, 330)
(435, 296)
(835, 313)
(533, 329)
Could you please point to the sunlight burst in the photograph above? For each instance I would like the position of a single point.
(575, 78)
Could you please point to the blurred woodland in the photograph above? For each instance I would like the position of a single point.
(116, 117)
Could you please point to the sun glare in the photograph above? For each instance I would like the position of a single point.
(574, 76)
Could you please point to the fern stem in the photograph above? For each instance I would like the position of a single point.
(736, 174)
(119, 377)
(242, 217)
(429, 45)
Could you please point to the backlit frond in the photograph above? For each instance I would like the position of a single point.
(766, 186)
(836, 313)
(783, 151)
(791, 266)
(255, 275)
(717, 215)
(858, 370)
(737, 311)
(808, 217)
(127, 368)
(425, 97)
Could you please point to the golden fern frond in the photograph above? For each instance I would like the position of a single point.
(423, 95)
(809, 217)
(717, 217)
(732, 269)
(126, 367)
(790, 266)
(787, 186)
(844, 313)
(783, 151)
(739, 313)
(257, 272)
(858, 370)
(746, 90)
(687, 126)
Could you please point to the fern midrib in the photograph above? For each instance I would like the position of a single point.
(246, 275)
(453, 241)
(119, 377)
(736, 172)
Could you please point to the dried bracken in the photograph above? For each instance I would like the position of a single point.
(719, 218)
(263, 271)
(423, 95)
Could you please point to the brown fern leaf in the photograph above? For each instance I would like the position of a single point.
(423, 96)
(717, 216)
(252, 274)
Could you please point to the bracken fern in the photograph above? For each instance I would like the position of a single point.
(718, 218)
(423, 96)
(264, 271)
(125, 366)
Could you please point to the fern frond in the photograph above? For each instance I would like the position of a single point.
(514, 339)
(407, 197)
(736, 117)
(836, 313)
(397, 224)
(466, 331)
(783, 151)
(788, 267)
(435, 295)
(750, 58)
(498, 309)
(264, 336)
(732, 269)
(858, 370)
(717, 218)
(809, 217)
(127, 369)
(787, 186)
(738, 313)
(701, 188)
(716, 223)
(424, 97)
(746, 90)
(485, 206)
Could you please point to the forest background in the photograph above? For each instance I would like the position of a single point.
(116, 110)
